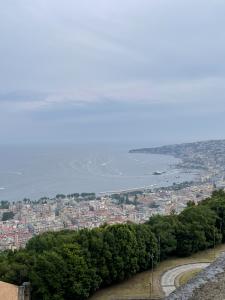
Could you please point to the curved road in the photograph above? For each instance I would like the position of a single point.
(168, 278)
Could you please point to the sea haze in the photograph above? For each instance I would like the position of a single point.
(36, 171)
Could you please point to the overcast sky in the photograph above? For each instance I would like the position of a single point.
(137, 71)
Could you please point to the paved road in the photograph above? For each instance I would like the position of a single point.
(168, 278)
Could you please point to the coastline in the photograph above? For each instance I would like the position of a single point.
(75, 211)
(68, 170)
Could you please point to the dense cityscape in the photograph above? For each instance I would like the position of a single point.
(21, 220)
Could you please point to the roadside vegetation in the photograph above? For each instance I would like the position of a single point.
(186, 276)
(138, 286)
(74, 264)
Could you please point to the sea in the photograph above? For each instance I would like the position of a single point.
(35, 171)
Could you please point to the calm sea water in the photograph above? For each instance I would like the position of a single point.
(37, 171)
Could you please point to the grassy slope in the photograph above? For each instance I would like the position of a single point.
(138, 285)
(184, 277)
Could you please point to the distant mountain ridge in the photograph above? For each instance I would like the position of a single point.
(205, 155)
(179, 149)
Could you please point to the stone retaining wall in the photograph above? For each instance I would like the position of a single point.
(210, 276)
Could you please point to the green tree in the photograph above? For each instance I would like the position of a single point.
(164, 228)
(7, 215)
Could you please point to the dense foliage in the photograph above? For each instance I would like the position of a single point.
(4, 204)
(7, 215)
(73, 264)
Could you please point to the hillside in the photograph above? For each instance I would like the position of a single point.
(205, 155)
(91, 259)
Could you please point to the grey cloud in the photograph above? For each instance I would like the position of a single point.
(54, 45)
(64, 62)
(192, 91)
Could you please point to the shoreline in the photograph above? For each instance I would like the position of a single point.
(185, 167)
